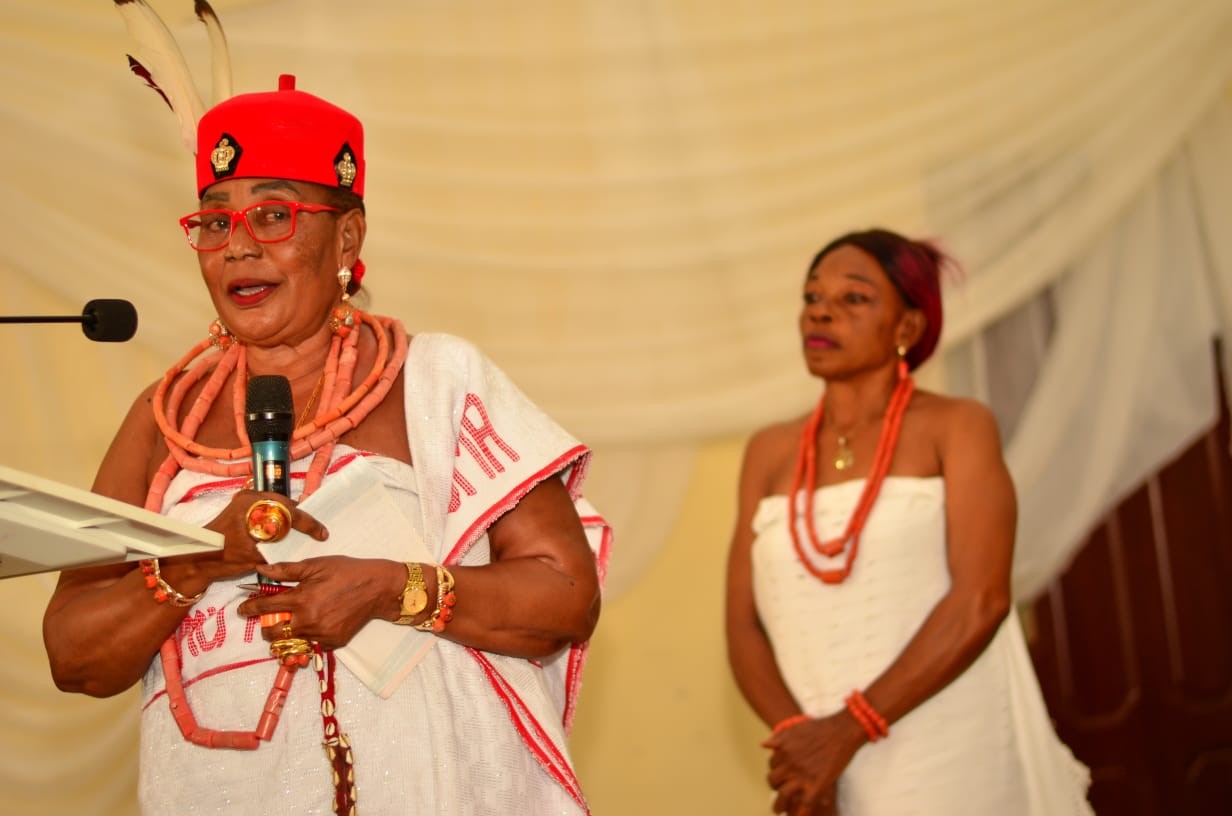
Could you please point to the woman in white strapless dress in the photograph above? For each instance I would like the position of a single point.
(878, 642)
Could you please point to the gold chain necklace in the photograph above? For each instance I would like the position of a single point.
(316, 392)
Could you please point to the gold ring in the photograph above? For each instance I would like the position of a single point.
(287, 634)
(268, 520)
(291, 651)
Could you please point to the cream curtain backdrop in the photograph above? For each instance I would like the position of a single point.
(616, 199)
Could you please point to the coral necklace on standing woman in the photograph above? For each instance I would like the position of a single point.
(805, 477)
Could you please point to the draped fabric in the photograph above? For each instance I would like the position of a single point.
(1108, 373)
(615, 200)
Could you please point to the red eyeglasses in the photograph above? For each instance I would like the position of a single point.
(267, 222)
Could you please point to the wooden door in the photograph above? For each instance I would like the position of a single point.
(1133, 643)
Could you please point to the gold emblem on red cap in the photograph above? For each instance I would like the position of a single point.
(224, 156)
(344, 166)
(346, 170)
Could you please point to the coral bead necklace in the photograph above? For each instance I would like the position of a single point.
(805, 477)
(341, 408)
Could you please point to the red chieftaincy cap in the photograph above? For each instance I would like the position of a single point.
(285, 134)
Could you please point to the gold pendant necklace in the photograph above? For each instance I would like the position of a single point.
(844, 457)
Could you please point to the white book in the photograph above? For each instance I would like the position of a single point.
(47, 526)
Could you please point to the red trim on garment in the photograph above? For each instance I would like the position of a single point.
(243, 664)
(540, 744)
(498, 509)
(238, 483)
(576, 476)
(605, 543)
(579, 651)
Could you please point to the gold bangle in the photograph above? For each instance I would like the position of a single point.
(445, 601)
(164, 592)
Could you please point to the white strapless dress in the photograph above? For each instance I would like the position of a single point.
(982, 745)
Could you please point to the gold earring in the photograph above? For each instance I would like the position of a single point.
(902, 351)
(220, 336)
(343, 318)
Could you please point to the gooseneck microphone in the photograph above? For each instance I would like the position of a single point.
(105, 320)
(269, 417)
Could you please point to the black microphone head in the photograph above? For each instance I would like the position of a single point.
(268, 408)
(107, 320)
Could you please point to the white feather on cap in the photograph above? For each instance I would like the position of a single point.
(164, 67)
(220, 59)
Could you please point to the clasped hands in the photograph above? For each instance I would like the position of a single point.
(806, 761)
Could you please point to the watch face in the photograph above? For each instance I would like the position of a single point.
(414, 601)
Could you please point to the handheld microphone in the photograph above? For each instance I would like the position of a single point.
(269, 418)
(105, 320)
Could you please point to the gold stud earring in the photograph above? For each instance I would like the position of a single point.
(902, 368)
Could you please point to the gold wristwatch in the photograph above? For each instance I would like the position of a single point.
(414, 597)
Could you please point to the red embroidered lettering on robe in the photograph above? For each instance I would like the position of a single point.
(477, 436)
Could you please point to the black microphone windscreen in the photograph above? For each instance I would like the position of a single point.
(268, 407)
(108, 320)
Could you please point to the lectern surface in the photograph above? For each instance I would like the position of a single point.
(47, 526)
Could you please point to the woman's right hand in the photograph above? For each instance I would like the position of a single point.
(239, 554)
(807, 760)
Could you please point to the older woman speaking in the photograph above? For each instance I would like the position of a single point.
(436, 585)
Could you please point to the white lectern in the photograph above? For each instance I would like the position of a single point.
(47, 526)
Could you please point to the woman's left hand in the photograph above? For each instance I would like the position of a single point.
(335, 596)
(806, 762)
